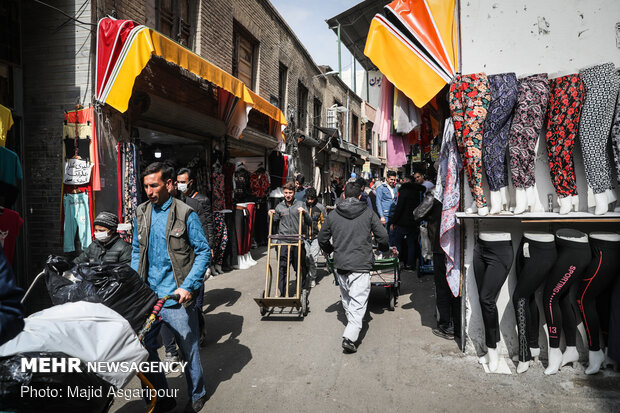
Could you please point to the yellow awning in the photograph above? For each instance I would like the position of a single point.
(143, 43)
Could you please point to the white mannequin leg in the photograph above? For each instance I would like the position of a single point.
(483, 211)
(532, 200)
(493, 359)
(602, 203)
(570, 355)
(505, 197)
(555, 360)
(496, 202)
(521, 200)
(575, 202)
(218, 268)
(535, 352)
(609, 361)
(242, 262)
(523, 366)
(250, 260)
(565, 205)
(595, 361)
(472, 209)
(611, 196)
(591, 202)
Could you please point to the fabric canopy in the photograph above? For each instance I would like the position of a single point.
(413, 46)
(125, 48)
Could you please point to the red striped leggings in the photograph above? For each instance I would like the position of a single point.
(595, 290)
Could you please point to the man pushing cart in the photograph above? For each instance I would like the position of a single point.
(350, 227)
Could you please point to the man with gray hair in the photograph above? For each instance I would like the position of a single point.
(350, 227)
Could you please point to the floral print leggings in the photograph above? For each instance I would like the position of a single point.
(565, 102)
(597, 114)
(469, 101)
(526, 124)
(221, 238)
(496, 128)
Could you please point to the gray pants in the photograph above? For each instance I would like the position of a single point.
(313, 251)
(354, 291)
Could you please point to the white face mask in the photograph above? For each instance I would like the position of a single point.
(102, 236)
(182, 187)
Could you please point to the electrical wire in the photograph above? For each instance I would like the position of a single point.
(64, 13)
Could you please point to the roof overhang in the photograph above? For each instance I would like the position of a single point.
(354, 25)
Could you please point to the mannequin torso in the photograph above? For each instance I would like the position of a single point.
(494, 236)
(605, 236)
(539, 236)
(572, 235)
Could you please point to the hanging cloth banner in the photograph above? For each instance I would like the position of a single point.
(124, 50)
(413, 46)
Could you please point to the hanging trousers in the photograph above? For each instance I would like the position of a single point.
(573, 259)
(492, 262)
(534, 261)
(469, 101)
(602, 85)
(448, 306)
(496, 128)
(527, 121)
(230, 252)
(613, 341)
(563, 114)
(615, 131)
(261, 226)
(241, 227)
(221, 238)
(597, 279)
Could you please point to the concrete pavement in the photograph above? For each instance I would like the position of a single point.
(284, 363)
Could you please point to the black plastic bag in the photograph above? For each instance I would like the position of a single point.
(114, 285)
(50, 392)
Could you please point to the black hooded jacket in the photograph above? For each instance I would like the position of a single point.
(351, 225)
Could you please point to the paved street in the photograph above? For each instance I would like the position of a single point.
(283, 363)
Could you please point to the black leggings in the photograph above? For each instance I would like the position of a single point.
(448, 306)
(573, 259)
(534, 261)
(492, 262)
(597, 280)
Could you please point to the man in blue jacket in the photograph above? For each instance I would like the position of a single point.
(11, 310)
(387, 198)
(171, 253)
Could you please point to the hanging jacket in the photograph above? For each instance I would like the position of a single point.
(409, 196)
(11, 310)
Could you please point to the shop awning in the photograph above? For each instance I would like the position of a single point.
(414, 45)
(125, 48)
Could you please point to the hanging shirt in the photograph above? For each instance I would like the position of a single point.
(260, 184)
(6, 121)
(10, 225)
(10, 167)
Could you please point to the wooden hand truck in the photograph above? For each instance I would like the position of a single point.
(300, 301)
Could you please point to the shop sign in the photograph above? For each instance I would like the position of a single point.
(77, 172)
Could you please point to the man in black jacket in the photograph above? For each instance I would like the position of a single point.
(403, 224)
(107, 247)
(351, 225)
(186, 185)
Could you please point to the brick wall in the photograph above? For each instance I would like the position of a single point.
(57, 75)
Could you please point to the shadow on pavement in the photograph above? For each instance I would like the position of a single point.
(222, 296)
(221, 360)
(421, 292)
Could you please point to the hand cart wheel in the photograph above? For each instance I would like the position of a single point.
(391, 298)
(304, 302)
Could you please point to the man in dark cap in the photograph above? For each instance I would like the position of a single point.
(300, 189)
(107, 247)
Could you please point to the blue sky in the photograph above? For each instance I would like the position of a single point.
(307, 19)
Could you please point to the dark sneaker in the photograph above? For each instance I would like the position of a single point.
(444, 332)
(196, 406)
(348, 345)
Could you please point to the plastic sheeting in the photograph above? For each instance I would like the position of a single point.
(88, 331)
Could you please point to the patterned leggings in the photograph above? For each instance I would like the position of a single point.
(469, 101)
(597, 114)
(564, 111)
(496, 128)
(615, 133)
(527, 122)
(221, 238)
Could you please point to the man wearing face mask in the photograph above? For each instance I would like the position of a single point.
(107, 247)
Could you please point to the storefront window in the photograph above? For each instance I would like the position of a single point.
(302, 106)
(355, 131)
(282, 78)
(316, 117)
